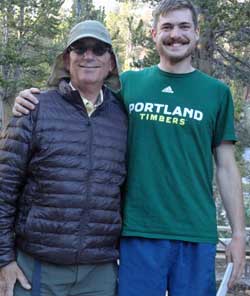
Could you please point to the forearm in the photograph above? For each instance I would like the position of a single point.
(7, 221)
(229, 183)
(7, 248)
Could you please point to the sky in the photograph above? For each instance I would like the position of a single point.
(108, 4)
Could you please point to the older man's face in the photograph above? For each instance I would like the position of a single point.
(89, 62)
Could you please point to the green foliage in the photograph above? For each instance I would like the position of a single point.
(229, 25)
(85, 10)
(127, 32)
(237, 89)
(151, 57)
(32, 33)
(27, 42)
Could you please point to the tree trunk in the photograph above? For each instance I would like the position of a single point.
(1, 113)
(18, 69)
(205, 52)
(4, 68)
(247, 93)
(78, 9)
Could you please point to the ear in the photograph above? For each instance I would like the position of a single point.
(66, 58)
(154, 33)
(112, 63)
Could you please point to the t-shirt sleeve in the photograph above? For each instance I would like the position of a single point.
(224, 129)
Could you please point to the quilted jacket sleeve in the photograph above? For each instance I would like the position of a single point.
(15, 149)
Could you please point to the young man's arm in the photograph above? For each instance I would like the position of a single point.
(229, 183)
(25, 101)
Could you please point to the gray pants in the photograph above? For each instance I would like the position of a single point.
(66, 280)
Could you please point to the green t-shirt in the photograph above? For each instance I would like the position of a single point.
(175, 121)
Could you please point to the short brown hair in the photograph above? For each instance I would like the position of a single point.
(169, 5)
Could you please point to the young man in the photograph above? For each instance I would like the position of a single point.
(61, 169)
(179, 119)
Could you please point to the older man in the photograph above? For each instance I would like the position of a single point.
(61, 168)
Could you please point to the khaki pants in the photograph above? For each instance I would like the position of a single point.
(66, 280)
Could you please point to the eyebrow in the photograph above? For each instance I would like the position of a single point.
(173, 24)
(185, 23)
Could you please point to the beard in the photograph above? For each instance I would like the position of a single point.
(175, 57)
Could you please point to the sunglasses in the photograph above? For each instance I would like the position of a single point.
(97, 49)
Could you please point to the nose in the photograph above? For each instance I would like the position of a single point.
(88, 53)
(175, 32)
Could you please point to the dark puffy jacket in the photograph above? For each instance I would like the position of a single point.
(60, 179)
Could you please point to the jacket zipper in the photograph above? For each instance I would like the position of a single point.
(84, 222)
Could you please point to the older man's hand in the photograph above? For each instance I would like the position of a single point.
(9, 274)
(25, 101)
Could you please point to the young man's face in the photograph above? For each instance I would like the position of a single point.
(175, 35)
(87, 64)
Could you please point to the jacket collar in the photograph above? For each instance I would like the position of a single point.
(73, 96)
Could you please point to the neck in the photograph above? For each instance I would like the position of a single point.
(90, 93)
(180, 67)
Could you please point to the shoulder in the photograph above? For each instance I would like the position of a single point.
(212, 82)
(133, 74)
(47, 95)
(49, 99)
(113, 98)
(115, 104)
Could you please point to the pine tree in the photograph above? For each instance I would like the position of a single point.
(28, 45)
(85, 10)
